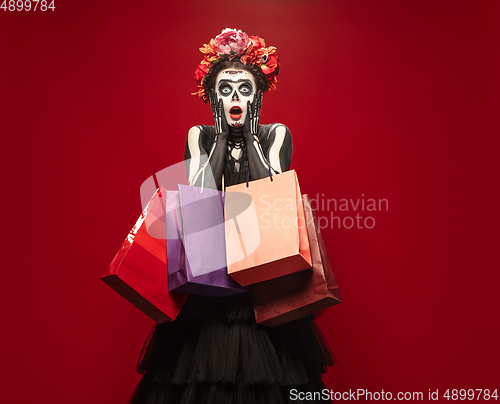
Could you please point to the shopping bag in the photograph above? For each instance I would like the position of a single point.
(195, 243)
(265, 233)
(287, 298)
(138, 271)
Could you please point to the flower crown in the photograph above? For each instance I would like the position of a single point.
(232, 44)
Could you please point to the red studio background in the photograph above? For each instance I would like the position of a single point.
(387, 100)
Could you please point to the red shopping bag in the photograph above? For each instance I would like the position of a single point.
(265, 233)
(287, 298)
(138, 272)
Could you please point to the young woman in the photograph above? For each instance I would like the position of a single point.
(214, 352)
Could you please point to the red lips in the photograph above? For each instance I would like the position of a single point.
(235, 113)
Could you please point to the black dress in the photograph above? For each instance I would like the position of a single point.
(215, 352)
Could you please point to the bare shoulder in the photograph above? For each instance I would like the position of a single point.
(197, 134)
(275, 128)
(279, 132)
(199, 139)
(279, 126)
(194, 132)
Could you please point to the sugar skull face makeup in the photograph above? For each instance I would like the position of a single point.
(235, 88)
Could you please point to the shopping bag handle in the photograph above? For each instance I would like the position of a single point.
(270, 174)
(160, 195)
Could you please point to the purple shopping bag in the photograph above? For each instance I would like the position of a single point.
(196, 250)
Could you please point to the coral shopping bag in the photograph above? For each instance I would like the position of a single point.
(139, 270)
(195, 243)
(287, 298)
(265, 232)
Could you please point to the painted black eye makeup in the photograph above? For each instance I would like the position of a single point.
(246, 89)
(225, 89)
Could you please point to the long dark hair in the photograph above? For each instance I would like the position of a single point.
(210, 78)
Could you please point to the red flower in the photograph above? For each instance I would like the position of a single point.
(272, 61)
(266, 70)
(257, 42)
(200, 73)
(271, 66)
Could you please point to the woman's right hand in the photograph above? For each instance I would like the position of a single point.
(221, 126)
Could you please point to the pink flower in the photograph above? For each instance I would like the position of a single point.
(231, 42)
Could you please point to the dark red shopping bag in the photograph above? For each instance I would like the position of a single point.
(289, 297)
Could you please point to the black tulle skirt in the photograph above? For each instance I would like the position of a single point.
(215, 353)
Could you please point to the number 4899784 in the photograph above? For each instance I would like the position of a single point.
(28, 5)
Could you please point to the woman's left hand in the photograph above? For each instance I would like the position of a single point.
(251, 126)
